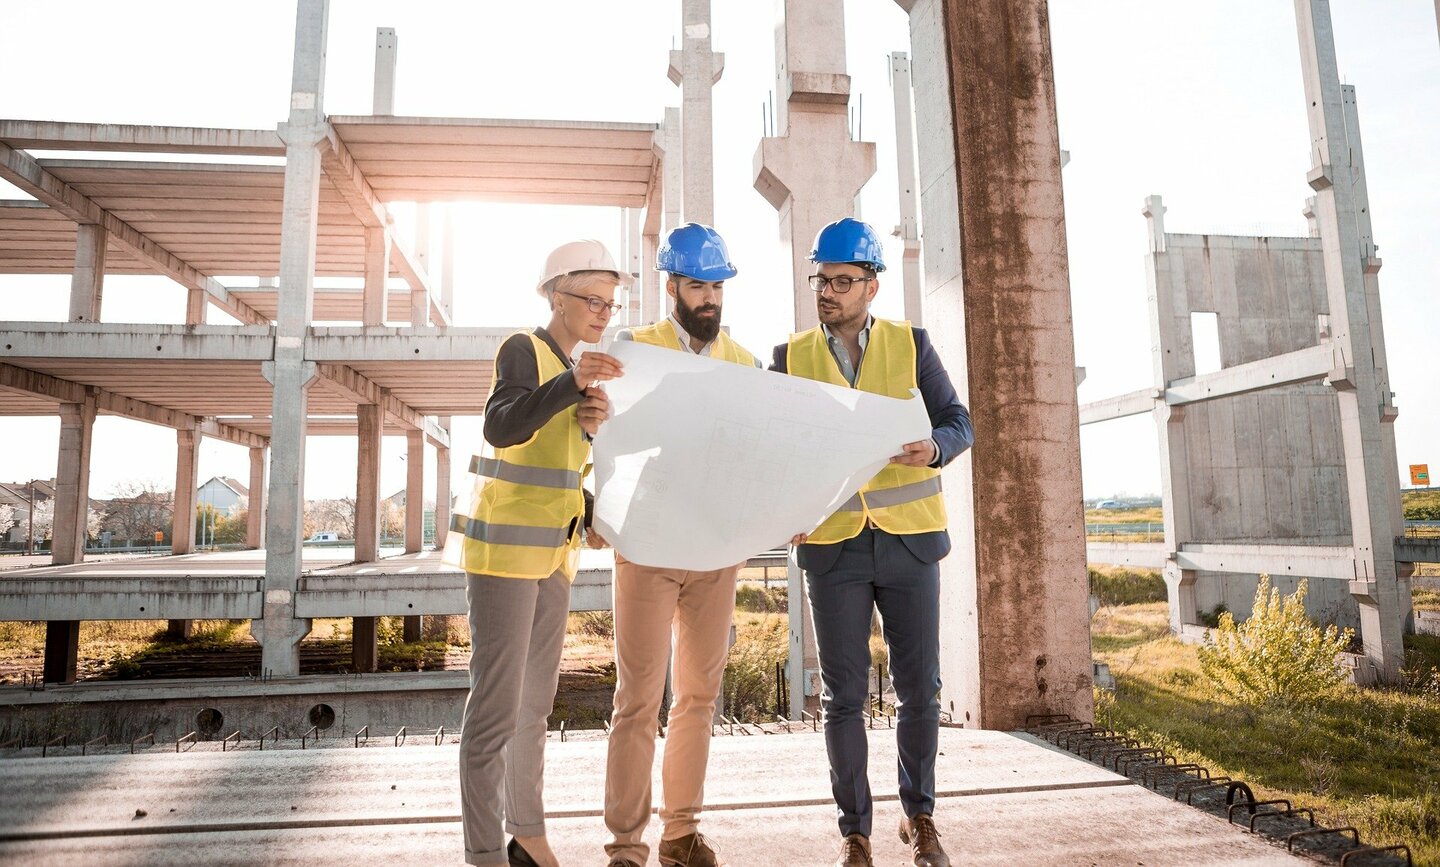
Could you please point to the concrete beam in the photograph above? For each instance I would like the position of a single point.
(345, 344)
(1302, 365)
(27, 381)
(431, 593)
(114, 340)
(1121, 406)
(364, 391)
(1305, 561)
(1139, 555)
(20, 169)
(87, 283)
(72, 482)
(115, 598)
(55, 136)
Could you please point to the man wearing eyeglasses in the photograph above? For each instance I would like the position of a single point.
(881, 550)
(653, 603)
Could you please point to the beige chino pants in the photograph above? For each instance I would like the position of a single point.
(651, 605)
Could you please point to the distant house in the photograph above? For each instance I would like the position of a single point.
(223, 494)
(18, 494)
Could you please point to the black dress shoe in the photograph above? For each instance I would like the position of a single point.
(518, 856)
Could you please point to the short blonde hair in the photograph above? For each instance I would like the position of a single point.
(577, 281)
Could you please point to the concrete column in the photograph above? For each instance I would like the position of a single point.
(1170, 360)
(811, 171)
(442, 487)
(909, 229)
(695, 68)
(187, 482)
(1370, 482)
(414, 490)
(802, 669)
(62, 651)
(635, 262)
(387, 47)
(650, 290)
(364, 645)
(375, 303)
(419, 301)
(87, 282)
(72, 482)
(195, 307)
(280, 631)
(985, 113)
(1311, 224)
(447, 261)
(370, 428)
(255, 516)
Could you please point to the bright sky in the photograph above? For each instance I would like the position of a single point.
(1199, 102)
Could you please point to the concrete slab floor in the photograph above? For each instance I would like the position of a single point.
(1005, 799)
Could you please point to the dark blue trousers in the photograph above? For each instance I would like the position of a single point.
(875, 570)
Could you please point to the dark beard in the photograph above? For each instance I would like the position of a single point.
(702, 329)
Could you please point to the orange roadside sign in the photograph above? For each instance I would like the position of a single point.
(159, 536)
(1420, 474)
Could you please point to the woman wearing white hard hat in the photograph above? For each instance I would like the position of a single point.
(518, 541)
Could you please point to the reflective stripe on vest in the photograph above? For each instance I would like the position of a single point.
(663, 333)
(525, 507)
(541, 477)
(899, 499)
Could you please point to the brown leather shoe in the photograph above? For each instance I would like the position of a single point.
(924, 841)
(854, 852)
(621, 862)
(692, 850)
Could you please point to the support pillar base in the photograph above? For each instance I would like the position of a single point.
(62, 651)
(365, 645)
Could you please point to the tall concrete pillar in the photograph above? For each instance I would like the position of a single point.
(364, 645)
(1014, 612)
(87, 282)
(447, 262)
(1170, 330)
(414, 514)
(811, 171)
(387, 48)
(656, 305)
(909, 229)
(442, 487)
(280, 631)
(695, 68)
(255, 514)
(1370, 482)
(375, 300)
(370, 420)
(182, 527)
(634, 263)
(187, 482)
(650, 290)
(72, 482)
(62, 651)
(419, 301)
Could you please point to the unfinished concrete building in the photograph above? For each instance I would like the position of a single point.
(1011, 649)
(1283, 461)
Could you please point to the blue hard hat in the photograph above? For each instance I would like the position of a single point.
(848, 241)
(696, 251)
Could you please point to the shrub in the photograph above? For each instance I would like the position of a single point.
(760, 600)
(748, 690)
(600, 624)
(1126, 586)
(1278, 655)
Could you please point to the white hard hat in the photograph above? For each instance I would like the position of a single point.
(575, 256)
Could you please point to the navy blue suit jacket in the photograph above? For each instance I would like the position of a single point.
(950, 428)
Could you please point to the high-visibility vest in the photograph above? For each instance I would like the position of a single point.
(899, 499)
(663, 333)
(524, 516)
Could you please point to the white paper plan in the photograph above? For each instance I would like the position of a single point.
(703, 463)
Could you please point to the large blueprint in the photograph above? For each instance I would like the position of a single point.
(704, 463)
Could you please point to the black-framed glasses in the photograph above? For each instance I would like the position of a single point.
(840, 285)
(595, 303)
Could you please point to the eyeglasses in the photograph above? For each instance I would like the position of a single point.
(595, 304)
(840, 285)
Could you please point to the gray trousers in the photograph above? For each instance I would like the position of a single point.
(517, 631)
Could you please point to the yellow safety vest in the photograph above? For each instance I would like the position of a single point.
(899, 499)
(663, 333)
(527, 508)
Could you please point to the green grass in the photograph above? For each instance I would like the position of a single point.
(1152, 515)
(1120, 585)
(1368, 758)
